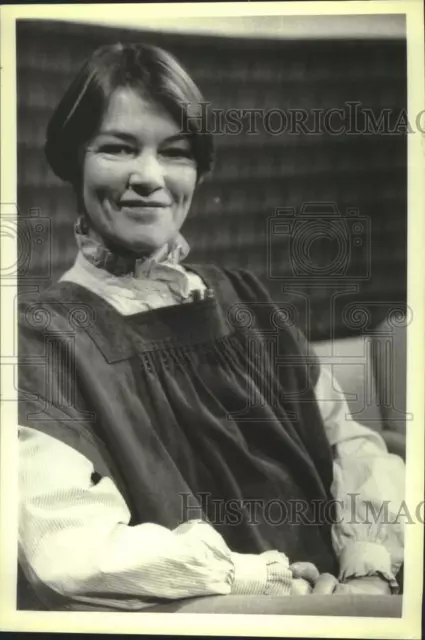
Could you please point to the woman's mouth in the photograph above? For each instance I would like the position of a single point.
(142, 202)
(143, 208)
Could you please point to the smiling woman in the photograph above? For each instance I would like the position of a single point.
(139, 175)
(117, 137)
(168, 448)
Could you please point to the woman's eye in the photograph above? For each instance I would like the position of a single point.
(117, 149)
(178, 152)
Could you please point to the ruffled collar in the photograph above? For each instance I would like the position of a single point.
(120, 264)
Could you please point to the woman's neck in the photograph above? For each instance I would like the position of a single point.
(119, 260)
(120, 250)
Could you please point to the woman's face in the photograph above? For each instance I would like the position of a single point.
(139, 175)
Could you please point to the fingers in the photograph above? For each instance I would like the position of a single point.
(325, 585)
(369, 585)
(305, 570)
(300, 587)
(307, 579)
(342, 590)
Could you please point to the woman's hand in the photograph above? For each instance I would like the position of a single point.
(367, 585)
(307, 580)
(304, 578)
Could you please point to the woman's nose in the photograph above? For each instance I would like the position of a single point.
(146, 172)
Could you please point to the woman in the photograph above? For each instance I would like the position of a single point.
(167, 449)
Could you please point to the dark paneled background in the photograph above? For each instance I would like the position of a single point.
(231, 222)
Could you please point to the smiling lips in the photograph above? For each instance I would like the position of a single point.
(144, 204)
(147, 210)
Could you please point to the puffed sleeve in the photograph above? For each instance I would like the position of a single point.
(368, 487)
(76, 546)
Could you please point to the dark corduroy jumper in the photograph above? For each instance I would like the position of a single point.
(204, 409)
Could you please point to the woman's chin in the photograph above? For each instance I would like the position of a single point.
(145, 246)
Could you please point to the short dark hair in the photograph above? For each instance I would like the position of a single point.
(154, 73)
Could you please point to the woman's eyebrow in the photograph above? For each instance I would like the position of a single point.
(117, 134)
(177, 138)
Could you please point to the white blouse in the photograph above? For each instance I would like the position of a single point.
(75, 538)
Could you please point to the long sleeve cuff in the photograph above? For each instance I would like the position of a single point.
(76, 542)
(361, 558)
(264, 574)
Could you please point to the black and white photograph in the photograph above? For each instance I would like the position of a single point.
(213, 364)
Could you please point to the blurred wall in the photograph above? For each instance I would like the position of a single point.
(339, 275)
